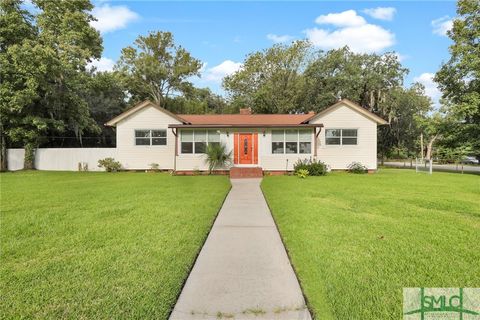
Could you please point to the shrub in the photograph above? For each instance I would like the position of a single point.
(357, 167)
(301, 164)
(314, 168)
(317, 168)
(109, 164)
(217, 156)
(302, 173)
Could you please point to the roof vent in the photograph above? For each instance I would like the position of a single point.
(245, 110)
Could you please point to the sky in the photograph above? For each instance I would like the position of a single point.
(221, 34)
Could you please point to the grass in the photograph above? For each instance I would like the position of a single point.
(98, 245)
(356, 240)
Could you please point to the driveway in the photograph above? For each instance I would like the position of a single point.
(243, 271)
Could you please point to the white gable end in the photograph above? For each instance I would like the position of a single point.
(340, 156)
(140, 157)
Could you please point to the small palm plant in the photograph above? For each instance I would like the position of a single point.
(217, 156)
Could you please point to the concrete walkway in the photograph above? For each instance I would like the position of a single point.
(243, 271)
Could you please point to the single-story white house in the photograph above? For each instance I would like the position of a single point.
(338, 136)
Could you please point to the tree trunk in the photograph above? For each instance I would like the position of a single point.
(29, 159)
(430, 147)
(421, 146)
(3, 152)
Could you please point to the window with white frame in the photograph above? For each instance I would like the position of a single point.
(291, 141)
(150, 137)
(196, 141)
(341, 136)
(304, 141)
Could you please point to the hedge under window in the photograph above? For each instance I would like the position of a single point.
(150, 137)
(341, 136)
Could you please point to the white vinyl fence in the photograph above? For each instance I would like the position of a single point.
(62, 159)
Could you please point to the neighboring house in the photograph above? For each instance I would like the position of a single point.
(338, 136)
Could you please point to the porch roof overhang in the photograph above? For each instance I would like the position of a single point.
(194, 126)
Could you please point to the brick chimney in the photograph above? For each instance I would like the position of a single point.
(311, 112)
(245, 110)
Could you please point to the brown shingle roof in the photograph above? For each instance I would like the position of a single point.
(245, 119)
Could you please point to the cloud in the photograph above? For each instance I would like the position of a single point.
(111, 18)
(381, 13)
(431, 88)
(442, 25)
(279, 39)
(347, 18)
(353, 30)
(217, 73)
(103, 64)
(363, 39)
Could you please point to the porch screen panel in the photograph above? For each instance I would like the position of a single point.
(305, 141)
(213, 137)
(291, 141)
(278, 141)
(186, 140)
(200, 138)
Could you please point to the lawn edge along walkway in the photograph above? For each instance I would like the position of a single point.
(243, 270)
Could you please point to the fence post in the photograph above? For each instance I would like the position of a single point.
(431, 165)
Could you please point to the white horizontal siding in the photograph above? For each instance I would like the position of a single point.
(140, 157)
(339, 157)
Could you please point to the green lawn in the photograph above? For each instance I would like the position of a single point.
(357, 240)
(99, 245)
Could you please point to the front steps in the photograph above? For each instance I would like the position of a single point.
(239, 172)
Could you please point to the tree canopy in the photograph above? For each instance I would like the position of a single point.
(155, 67)
(271, 80)
(459, 77)
(43, 70)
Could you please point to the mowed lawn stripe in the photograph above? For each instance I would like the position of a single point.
(357, 240)
(99, 245)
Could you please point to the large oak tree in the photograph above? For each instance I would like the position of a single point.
(43, 70)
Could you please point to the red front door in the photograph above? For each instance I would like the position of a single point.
(245, 150)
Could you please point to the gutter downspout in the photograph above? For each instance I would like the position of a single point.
(175, 133)
(316, 134)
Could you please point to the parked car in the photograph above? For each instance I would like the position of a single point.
(470, 160)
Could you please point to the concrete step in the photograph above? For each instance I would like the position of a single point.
(239, 172)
